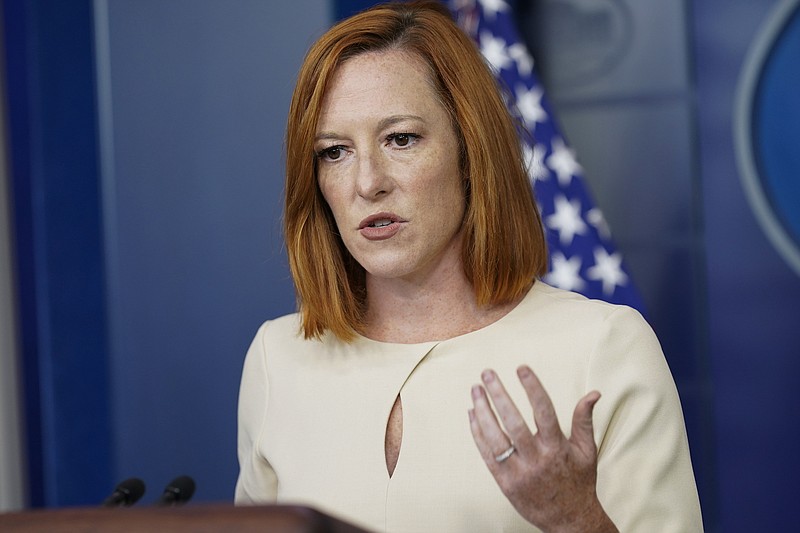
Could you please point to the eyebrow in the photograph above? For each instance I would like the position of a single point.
(383, 124)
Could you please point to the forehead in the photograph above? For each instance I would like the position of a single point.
(389, 81)
(390, 60)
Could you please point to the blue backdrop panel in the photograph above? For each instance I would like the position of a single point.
(753, 294)
(777, 129)
(345, 8)
(142, 287)
(195, 100)
(53, 152)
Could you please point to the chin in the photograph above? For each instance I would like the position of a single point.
(387, 271)
(389, 267)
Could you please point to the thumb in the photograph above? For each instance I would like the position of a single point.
(582, 428)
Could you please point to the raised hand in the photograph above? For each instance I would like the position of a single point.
(548, 478)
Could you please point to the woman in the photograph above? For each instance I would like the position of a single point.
(416, 247)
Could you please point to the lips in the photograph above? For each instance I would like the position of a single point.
(379, 220)
(380, 226)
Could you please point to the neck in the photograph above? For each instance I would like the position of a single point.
(441, 307)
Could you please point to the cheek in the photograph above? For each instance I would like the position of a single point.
(329, 197)
(329, 194)
(449, 188)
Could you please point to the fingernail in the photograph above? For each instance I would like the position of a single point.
(476, 391)
(487, 376)
(596, 399)
(524, 371)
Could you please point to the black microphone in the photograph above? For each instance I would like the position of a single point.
(179, 491)
(126, 493)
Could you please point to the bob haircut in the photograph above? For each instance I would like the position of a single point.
(504, 248)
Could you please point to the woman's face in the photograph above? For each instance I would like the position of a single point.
(387, 163)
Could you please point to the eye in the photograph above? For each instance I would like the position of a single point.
(402, 139)
(332, 153)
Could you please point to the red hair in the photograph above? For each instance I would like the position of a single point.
(504, 247)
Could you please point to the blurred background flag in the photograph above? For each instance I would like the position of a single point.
(582, 255)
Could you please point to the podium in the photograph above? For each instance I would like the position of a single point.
(194, 518)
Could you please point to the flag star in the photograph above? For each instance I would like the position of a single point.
(596, 219)
(563, 162)
(534, 161)
(566, 219)
(519, 53)
(492, 7)
(494, 50)
(466, 16)
(529, 103)
(607, 269)
(565, 273)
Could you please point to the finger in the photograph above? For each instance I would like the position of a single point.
(512, 420)
(493, 435)
(582, 428)
(543, 412)
(480, 441)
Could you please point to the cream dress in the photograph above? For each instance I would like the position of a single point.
(313, 415)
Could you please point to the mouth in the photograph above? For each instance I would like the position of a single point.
(381, 226)
(379, 220)
(380, 223)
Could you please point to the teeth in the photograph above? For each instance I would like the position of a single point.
(380, 223)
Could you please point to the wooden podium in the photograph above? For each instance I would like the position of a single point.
(194, 518)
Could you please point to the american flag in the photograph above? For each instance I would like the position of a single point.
(582, 256)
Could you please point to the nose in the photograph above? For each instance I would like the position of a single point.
(373, 178)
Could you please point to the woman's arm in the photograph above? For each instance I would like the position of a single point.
(257, 481)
